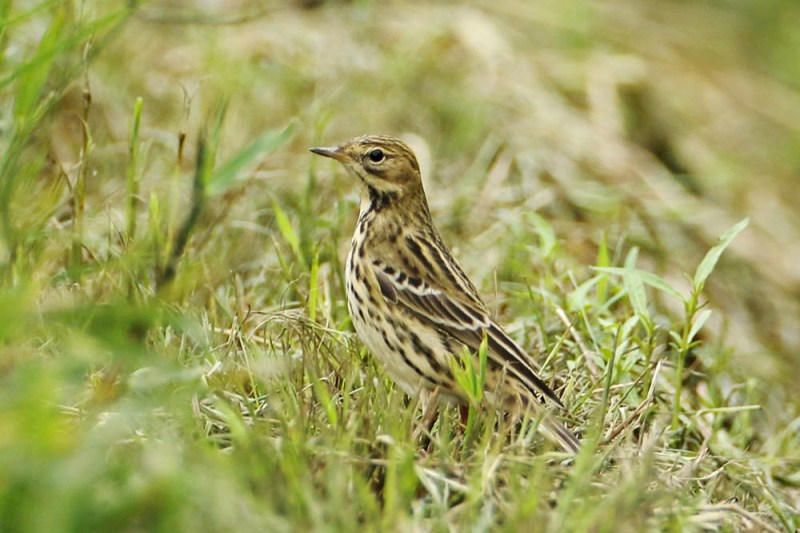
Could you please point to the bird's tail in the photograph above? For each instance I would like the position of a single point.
(559, 434)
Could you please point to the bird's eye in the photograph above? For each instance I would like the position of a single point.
(376, 155)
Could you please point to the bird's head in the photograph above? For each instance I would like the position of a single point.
(385, 164)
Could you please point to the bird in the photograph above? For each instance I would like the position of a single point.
(410, 302)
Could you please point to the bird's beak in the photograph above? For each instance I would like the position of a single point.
(334, 152)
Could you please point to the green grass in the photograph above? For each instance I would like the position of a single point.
(175, 350)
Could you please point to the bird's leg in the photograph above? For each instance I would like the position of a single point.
(463, 414)
(429, 401)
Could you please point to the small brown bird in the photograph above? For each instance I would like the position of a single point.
(410, 302)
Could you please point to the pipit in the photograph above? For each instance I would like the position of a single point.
(411, 303)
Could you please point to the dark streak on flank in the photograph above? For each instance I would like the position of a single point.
(430, 357)
(417, 251)
(440, 259)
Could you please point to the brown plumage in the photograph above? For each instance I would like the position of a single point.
(410, 302)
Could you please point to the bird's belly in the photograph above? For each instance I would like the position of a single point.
(400, 372)
(368, 314)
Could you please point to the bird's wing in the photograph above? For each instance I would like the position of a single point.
(464, 318)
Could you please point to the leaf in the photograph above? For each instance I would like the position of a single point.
(288, 232)
(325, 400)
(698, 322)
(464, 371)
(648, 278)
(547, 236)
(710, 260)
(211, 140)
(625, 331)
(32, 81)
(313, 288)
(632, 281)
(236, 426)
(677, 342)
(635, 289)
(603, 260)
(61, 36)
(230, 171)
(657, 282)
(131, 178)
(576, 300)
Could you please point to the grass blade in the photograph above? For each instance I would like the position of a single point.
(227, 174)
(288, 232)
(132, 179)
(710, 260)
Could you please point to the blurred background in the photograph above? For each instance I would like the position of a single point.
(654, 125)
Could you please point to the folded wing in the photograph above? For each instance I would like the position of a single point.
(465, 319)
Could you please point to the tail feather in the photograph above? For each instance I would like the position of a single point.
(559, 434)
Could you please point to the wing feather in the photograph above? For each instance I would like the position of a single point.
(463, 320)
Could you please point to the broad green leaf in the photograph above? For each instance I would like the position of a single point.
(325, 400)
(230, 171)
(465, 376)
(635, 289)
(61, 36)
(603, 260)
(698, 322)
(236, 426)
(211, 144)
(648, 278)
(710, 260)
(288, 232)
(657, 282)
(625, 332)
(131, 175)
(154, 224)
(470, 379)
(677, 341)
(634, 286)
(32, 80)
(577, 299)
(547, 236)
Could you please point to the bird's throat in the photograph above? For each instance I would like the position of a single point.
(379, 200)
